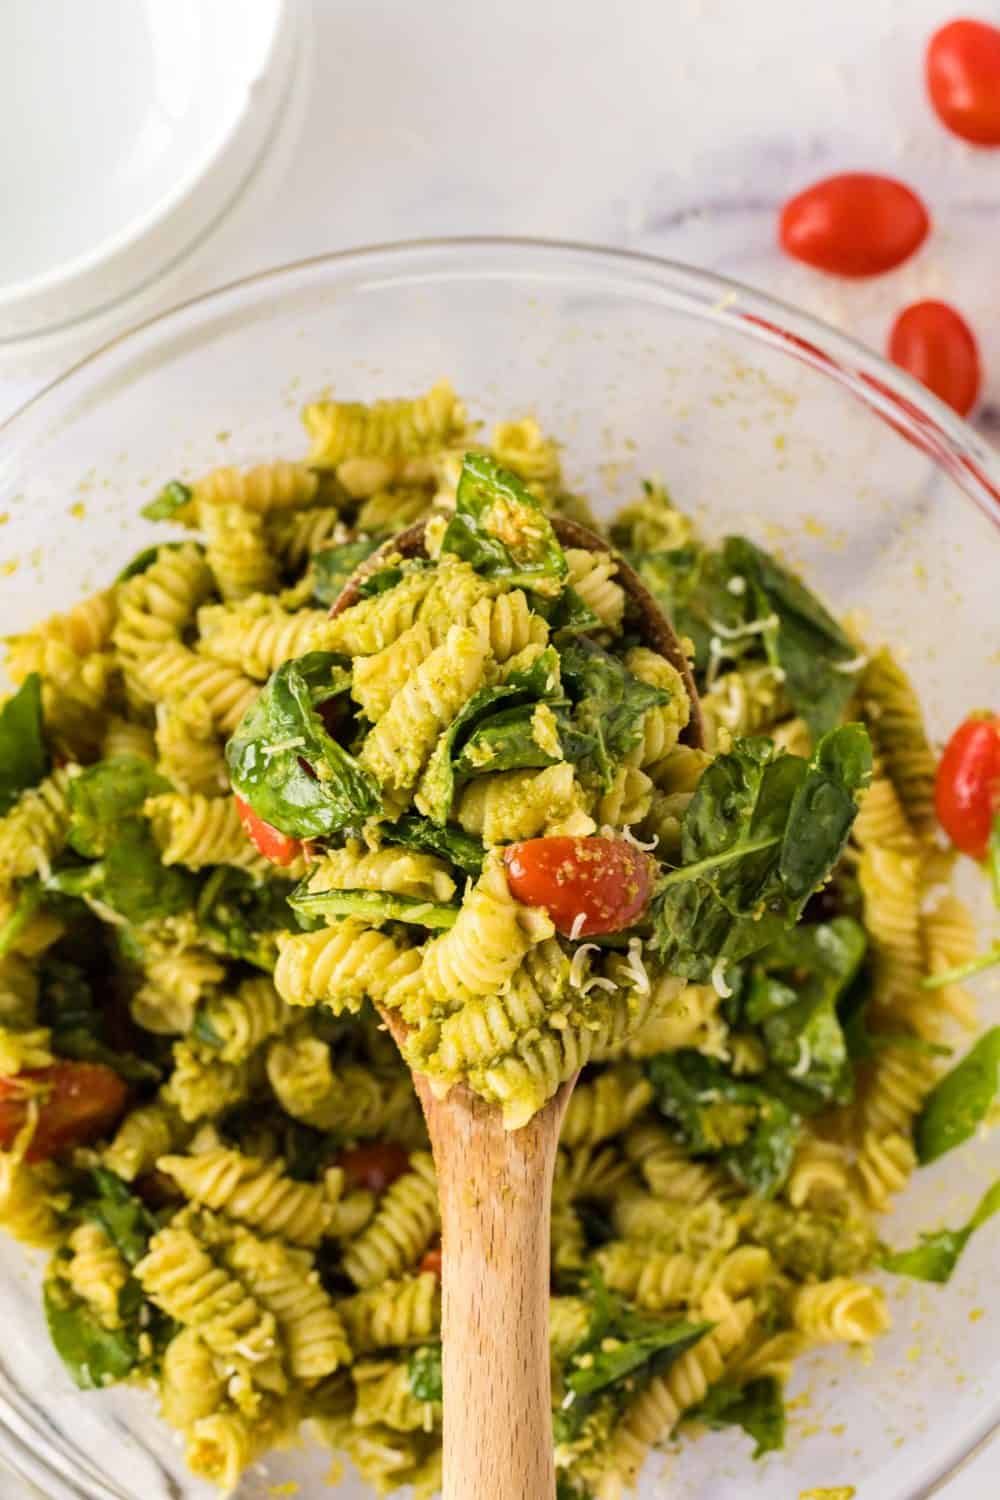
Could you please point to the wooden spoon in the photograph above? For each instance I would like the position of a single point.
(496, 1202)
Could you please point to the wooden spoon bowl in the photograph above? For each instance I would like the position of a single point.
(496, 1198)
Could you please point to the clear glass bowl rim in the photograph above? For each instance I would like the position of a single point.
(888, 392)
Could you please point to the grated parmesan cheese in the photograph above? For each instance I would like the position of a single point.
(719, 983)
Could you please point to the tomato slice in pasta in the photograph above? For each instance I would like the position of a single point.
(587, 885)
(72, 1102)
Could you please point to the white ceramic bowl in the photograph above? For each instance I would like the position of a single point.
(126, 128)
(759, 419)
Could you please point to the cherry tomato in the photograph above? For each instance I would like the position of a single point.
(963, 80)
(432, 1261)
(935, 344)
(75, 1102)
(967, 789)
(271, 842)
(374, 1167)
(856, 224)
(606, 881)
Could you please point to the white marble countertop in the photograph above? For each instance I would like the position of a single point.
(672, 126)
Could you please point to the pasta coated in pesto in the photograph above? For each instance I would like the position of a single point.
(249, 1222)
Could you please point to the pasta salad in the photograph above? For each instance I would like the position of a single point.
(237, 830)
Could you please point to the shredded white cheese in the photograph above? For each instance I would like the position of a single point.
(628, 837)
(719, 984)
(297, 742)
(636, 966)
(578, 925)
(737, 584)
(854, 665)
(580, 965)
(804, 1059)
(735, 632)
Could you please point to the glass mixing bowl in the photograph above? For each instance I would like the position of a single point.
(759, 420)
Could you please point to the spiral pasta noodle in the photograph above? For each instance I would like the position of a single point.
(492, 935)
(342, 430)
(340, 965)
(592, 574)
(255, 1193)
(514, 805)
(840, 1311)
(256, 634)
(285, 1282)
(406, 1220)
(195, 831)
(394, 1314)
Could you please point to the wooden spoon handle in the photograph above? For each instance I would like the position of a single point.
(496, 1190)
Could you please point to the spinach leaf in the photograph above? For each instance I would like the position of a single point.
(131, 878)
(145, 559)
(94, 1356)
(240, 917)
(68, 1007)
(105, 794)
(373, 906)
(506, 741)
(620, 1345)
(805, 641)
(24, 759)
(29, 899)
(605, 1366)
(793, 997)
(124, 1218)
(569, 614)
(284, 763)
(824, 808)
(960, 1101)
(386, 578)
(752, 1131)
(172, 498)
(758, 1407)
(937, 1255)
(424, 1371)
(333, 566)
(566, 1490)
(501, 530)
(741, 882)
(448, 842)
(609, 703)
(691, 586)
(535, 683)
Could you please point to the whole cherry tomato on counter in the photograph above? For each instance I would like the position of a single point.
(269, 841)
(963, 80)
(855, 224)
(967, 788)
(374, 1167)
(587, 885)
(73, 1101)
(934, 343)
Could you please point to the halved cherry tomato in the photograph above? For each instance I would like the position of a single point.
(587, 885)
(433, 1261)
(374, 1167)
(963, 80)
(855, 224)
(967, 789)
(75, 1101)
(935, 344)
(276, 846)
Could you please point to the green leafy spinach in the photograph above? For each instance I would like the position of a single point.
(286, 765)
(501, 530)
(937, 1255)
(760, 834)
(24, 759)
(758, 1407)
(751, 1130)
(960, 1101)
